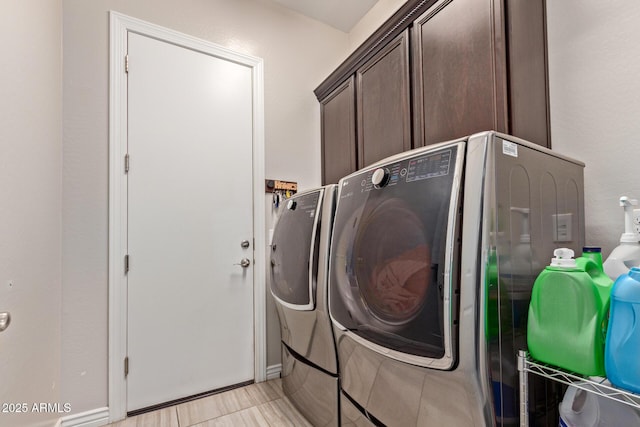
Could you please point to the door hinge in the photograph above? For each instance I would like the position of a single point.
(126, 264)
(126, 63)
(126, 163)
(126, 366)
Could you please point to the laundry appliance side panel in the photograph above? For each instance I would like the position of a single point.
(539, 206)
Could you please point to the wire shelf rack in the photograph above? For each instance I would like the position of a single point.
(594, 385)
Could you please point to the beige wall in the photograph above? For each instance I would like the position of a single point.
(594, 64)
(593, 67)
(376, 16)
(298, 54)
(30, 191)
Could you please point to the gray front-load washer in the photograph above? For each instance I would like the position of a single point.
(299, 263)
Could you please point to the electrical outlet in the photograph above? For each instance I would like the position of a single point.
(636, 220)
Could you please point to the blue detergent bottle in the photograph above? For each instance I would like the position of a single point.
(623, 334)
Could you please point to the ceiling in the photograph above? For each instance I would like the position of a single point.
(340, 14)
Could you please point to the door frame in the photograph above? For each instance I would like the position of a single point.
(119, 26)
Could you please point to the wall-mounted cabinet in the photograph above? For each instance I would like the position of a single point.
(458, 82)
(338, 116)
(435, 71)
(384, 103)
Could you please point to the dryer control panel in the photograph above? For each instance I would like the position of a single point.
(425, 166)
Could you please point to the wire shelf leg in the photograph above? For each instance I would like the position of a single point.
(524, 389)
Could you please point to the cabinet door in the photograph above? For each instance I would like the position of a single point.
(383, 103)
(338, 133)
(528, 88)
(460, 84)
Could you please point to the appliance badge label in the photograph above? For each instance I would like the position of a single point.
(509, 148)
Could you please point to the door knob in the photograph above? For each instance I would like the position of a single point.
(244, 244)
(244, 263)
(5, 320)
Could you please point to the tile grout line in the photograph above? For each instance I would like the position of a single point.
(270, 393)
(242, 389)
(177, 415)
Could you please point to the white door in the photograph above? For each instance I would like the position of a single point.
(190, 305)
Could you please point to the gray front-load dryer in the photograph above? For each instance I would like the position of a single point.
(299, 263)
(433, 258)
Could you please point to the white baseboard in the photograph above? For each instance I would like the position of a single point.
(93, 418)
(274, 371)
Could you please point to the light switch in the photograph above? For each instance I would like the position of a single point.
(636, 220)
(562, 224)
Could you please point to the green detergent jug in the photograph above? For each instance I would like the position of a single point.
(567, 314)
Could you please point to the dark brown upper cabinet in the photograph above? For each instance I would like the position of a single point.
(338, 117)
(384, 103)
(480, 65)
(435, 71)
(527, 75)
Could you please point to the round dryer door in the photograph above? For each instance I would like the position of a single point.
(394, 262)
(391, 264)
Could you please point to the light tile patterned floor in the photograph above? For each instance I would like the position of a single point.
(255, 405)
